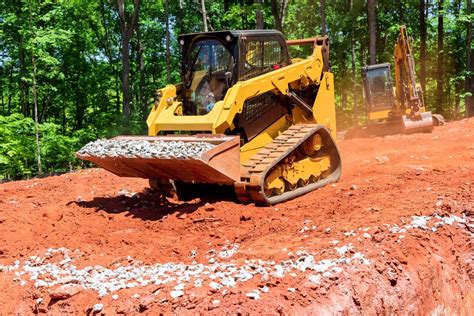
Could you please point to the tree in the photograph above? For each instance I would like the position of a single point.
(322, 12)
(128, 23)
(35, 96)
(82, 49)
(168, 69)
(204, 15)
(259, 14)
(353, 67)
(469, 86)
(372, 31)
(278, 10)
(440, 60)
(422, 14)
(23, 85)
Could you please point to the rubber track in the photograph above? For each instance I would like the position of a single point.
(251, 186)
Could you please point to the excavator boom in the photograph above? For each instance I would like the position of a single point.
(408, 93)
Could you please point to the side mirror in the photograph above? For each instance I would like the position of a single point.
(228, 78)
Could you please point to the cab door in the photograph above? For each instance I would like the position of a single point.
(378, 91)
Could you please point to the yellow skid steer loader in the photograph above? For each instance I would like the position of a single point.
(245, 115)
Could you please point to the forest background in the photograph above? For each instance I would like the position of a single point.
(72, 71)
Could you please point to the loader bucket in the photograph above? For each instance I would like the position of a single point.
(220, 164)
(422, 125)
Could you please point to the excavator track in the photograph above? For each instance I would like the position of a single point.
(284, 153)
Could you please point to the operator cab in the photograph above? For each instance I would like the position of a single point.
(378, 88)
(207, 65)
(214, 61)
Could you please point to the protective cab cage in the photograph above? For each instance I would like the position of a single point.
(251, 53)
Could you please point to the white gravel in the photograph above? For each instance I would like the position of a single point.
(97, 308)
(57, 266)
(145, 149)
(48, 272)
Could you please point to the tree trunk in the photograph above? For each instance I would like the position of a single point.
(63, 117)
(372, 31)
(44, 108)
(125, 81)
(363, 59)
(322, 12)
(469, 65)
(141, 70)
(457, 99)
(422, 45)
(259, 14)
(243, 16)
(440, 69)
(353, 68)
(127, 27)
(10, 91)
(35, 99)
(168, 60)
(227, 4)
(204, 15)
(115, 72)
(24, 103)
(117, 98)
(2, 75)
(80, 113)
(278, 11)
(401, 9)
(458, 66)
(344, 100)
(22, 83)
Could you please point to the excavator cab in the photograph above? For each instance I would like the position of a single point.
(378, 90)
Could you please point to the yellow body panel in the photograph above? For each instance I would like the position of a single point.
(379, 115)
(262, 139)
(383, 115)
(304, 169)
(324, 109)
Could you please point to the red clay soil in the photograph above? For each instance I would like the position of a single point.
(385, 182)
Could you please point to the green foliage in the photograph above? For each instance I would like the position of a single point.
(76, 45)
(17, 146)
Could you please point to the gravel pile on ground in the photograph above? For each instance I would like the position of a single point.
(56, 267)
(46, 272)
(145, 149)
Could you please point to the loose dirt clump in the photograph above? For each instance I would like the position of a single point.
(394, 235)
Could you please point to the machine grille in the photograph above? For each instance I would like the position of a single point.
(256, 107)
(260, 112)
(262, 55)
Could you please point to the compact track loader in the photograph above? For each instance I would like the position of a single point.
(270, 120)
(394, 110)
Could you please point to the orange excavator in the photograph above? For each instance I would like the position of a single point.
(394, 110)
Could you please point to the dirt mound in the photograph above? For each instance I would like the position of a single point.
(394, 235)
